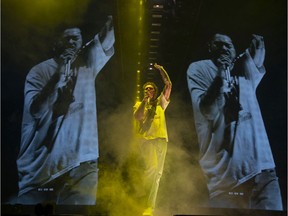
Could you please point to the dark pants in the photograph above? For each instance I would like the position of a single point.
(76, 187)
(260, 192)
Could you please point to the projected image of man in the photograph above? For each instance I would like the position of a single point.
(235, 153)
(58, 155)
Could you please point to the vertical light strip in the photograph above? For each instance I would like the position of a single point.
(139, 51)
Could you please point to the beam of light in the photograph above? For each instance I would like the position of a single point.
(140, 44)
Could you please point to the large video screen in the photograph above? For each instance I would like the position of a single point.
(147, 107)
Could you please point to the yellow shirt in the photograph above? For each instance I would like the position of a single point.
(158, 127)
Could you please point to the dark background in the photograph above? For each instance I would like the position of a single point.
(27, 29)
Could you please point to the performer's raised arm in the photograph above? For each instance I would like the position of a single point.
(166, 79)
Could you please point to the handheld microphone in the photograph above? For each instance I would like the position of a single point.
(228, 71)
(228, 75)
(67, 69)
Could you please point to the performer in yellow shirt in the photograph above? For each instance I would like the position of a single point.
(152, 131)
